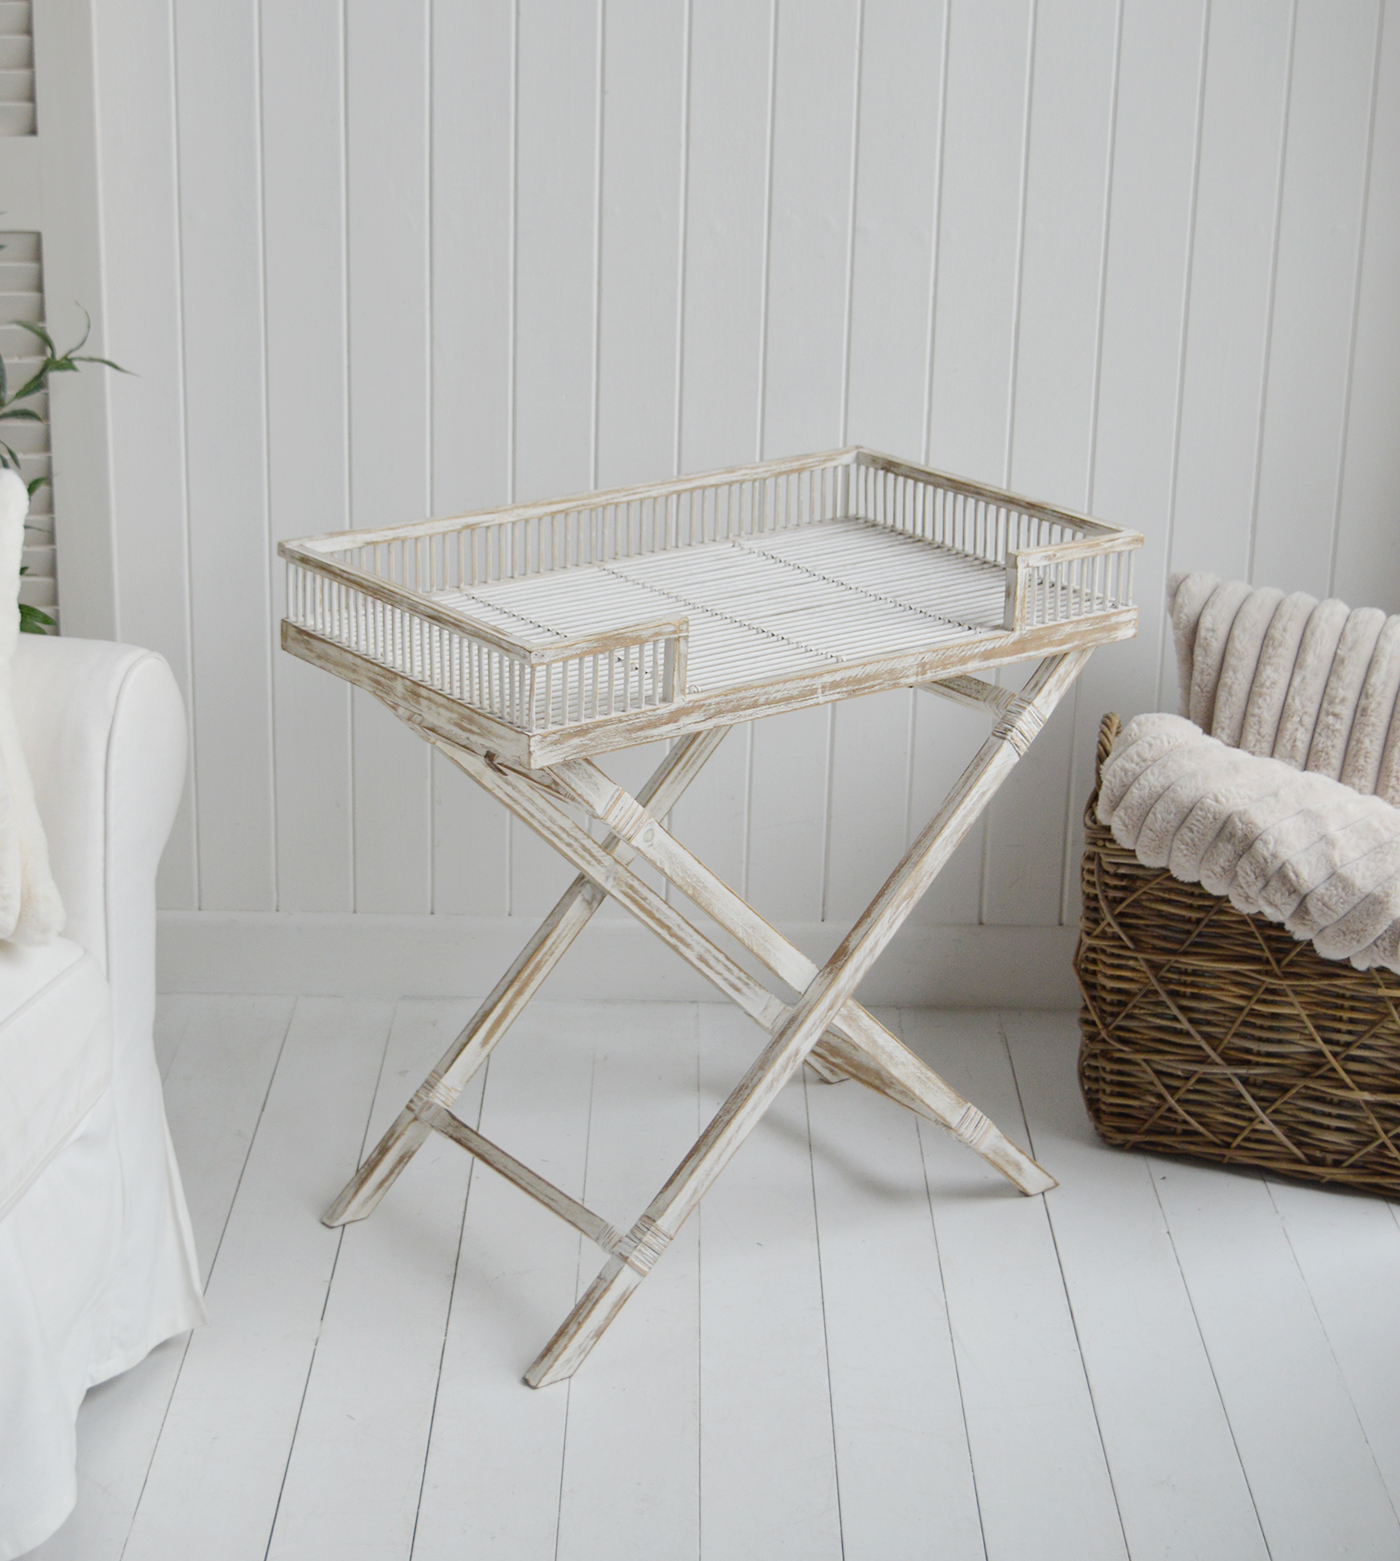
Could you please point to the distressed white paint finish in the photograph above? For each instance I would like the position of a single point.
(530, 264)
(858, 1047)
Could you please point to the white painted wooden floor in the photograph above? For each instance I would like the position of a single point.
(865, 1346)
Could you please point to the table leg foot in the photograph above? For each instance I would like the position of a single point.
(585, 1325)
(361, 1194)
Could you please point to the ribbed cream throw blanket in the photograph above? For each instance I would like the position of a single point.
(1287, 806)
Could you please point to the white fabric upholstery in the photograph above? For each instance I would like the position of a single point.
(1278, 790)
(97, 1262)
(55, 1054)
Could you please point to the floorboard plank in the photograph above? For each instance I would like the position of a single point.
(495, 1456)
(1314, 1479)
(217, 1471)
(1042, 1479)
(363, 1428)
(864, 1345)
(1180, 1486)
(1347, 1246)
(220, 1053)
(632, 1455)
(215, 1092)
(901, 1441)
(767, 1455)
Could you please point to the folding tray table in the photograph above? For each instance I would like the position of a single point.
(522, 642)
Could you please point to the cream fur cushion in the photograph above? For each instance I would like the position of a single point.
(30, 908)
(1278, 792)
(1293, 845)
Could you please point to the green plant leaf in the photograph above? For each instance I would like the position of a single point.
(32, 487)
(27, 413)
(34, 384)
(34, 621)
(84, 358)
(41, 333)
(82, 340)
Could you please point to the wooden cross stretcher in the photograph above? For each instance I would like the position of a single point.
(525, 733)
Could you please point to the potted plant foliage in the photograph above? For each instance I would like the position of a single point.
(33, 620)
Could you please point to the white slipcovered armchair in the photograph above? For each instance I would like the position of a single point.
(97, 1262)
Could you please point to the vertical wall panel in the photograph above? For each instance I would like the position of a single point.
(556, 295)
(891, 229)
(640, 173)
(216, 63)
(975, 277)
(727, 142)
(944, 736)
(895, 204)
(644, 97)
(869, 799)
(1368, 543)
(1232, 269)
(1161, 57)
(1329, 127)
(1057, 339)
(726, 216)
(809, 225)
(803, 395)
(473, 148)
(134, 50)
(979, 238)
(896, 190)
(555, 270)
(303, 129)
(387, 238)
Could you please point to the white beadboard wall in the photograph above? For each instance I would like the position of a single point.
(377, 261)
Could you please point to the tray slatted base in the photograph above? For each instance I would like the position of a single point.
(763, 607)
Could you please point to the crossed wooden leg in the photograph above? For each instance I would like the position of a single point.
(826, 1025)
(512, 992)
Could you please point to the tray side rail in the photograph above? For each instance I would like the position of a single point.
(1060, 565)
(402, 595)
(530, 687)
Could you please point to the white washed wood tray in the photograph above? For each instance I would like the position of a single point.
(554, 630)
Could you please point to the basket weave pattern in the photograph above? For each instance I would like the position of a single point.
(1210, 1033)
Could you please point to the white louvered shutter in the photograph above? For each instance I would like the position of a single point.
(22, 298)
(16, 68)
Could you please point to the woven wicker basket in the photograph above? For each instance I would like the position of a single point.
(1209, 1033)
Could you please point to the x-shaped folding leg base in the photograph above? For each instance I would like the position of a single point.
(826, 1026)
